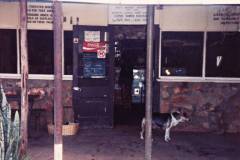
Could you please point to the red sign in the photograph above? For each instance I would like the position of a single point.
(101, 53)
(94, 46)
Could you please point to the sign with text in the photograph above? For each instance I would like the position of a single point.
(226, 17)
(92, 36)
(41, 13)
(101, 48)
(127, 14)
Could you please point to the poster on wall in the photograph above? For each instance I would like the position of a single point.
(92, 36)
(127, 14)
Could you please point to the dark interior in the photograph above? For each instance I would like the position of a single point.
(130, 59)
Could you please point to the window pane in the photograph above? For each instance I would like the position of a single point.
(223, 54)
(8, 51)
(182, 54)
(68, 52)
(40, 50)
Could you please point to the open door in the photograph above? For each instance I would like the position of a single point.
(92, 76)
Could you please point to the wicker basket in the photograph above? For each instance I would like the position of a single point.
(67, 130)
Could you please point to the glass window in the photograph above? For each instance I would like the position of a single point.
(8, 51)
(182, 54)
(68, 52)
(40, 50)
(223, 54)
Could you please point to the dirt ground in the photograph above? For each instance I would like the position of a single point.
(123, 143)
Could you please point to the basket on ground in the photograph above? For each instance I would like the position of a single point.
(67, 130)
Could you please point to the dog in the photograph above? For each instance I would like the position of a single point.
(165, 121)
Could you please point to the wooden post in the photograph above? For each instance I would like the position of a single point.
(58, 108)
(24, 77)
(149, 74)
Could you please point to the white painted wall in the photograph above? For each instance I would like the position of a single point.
(170, 18)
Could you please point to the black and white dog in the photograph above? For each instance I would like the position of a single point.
(165, 121)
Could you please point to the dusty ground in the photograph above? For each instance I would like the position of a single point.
(123, 143)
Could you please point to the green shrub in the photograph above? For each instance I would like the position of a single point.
(9, 131)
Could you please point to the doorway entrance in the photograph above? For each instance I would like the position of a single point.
(130, 64)
(109, 75)
(92, 76)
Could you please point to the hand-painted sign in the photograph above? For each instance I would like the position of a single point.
(41, 13)
(127, 14)
(225, 17)
(93, 67)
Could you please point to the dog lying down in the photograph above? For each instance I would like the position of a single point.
(165, 121)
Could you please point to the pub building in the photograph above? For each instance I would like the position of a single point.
(196, 55)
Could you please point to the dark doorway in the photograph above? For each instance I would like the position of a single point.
(130, 62)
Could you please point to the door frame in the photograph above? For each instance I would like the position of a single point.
(110, 76)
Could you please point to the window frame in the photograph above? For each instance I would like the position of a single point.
(33, 76)
(160, 78)
(13, 75)
(202, 78)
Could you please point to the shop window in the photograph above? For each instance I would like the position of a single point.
(41, 52)
(223, 54)
(8, 51)
(182, 54)
(68, 52)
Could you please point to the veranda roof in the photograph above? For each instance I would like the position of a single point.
(166, 2)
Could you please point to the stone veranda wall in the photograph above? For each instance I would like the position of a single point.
(212, 107)
(43, 88)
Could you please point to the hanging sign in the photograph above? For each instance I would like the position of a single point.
(101, 48)
(92, 36)
(127, 14)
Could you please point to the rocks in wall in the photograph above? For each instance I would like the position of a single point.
(212, 106)
(45, 90)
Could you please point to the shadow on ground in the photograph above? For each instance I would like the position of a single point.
(123, 143)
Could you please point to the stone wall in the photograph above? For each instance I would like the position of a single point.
(212, 107)
(44, 101)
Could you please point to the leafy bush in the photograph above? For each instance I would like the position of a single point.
(9, 131)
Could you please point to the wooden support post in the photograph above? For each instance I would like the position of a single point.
(58, 107)
(149, 74)
(24, 77)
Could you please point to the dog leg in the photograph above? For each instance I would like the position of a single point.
(143, 128)
(167, 135)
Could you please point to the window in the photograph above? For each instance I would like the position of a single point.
(8, 51)
(68, 52)
(182, 54)
(40, 50)
(223, 54)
